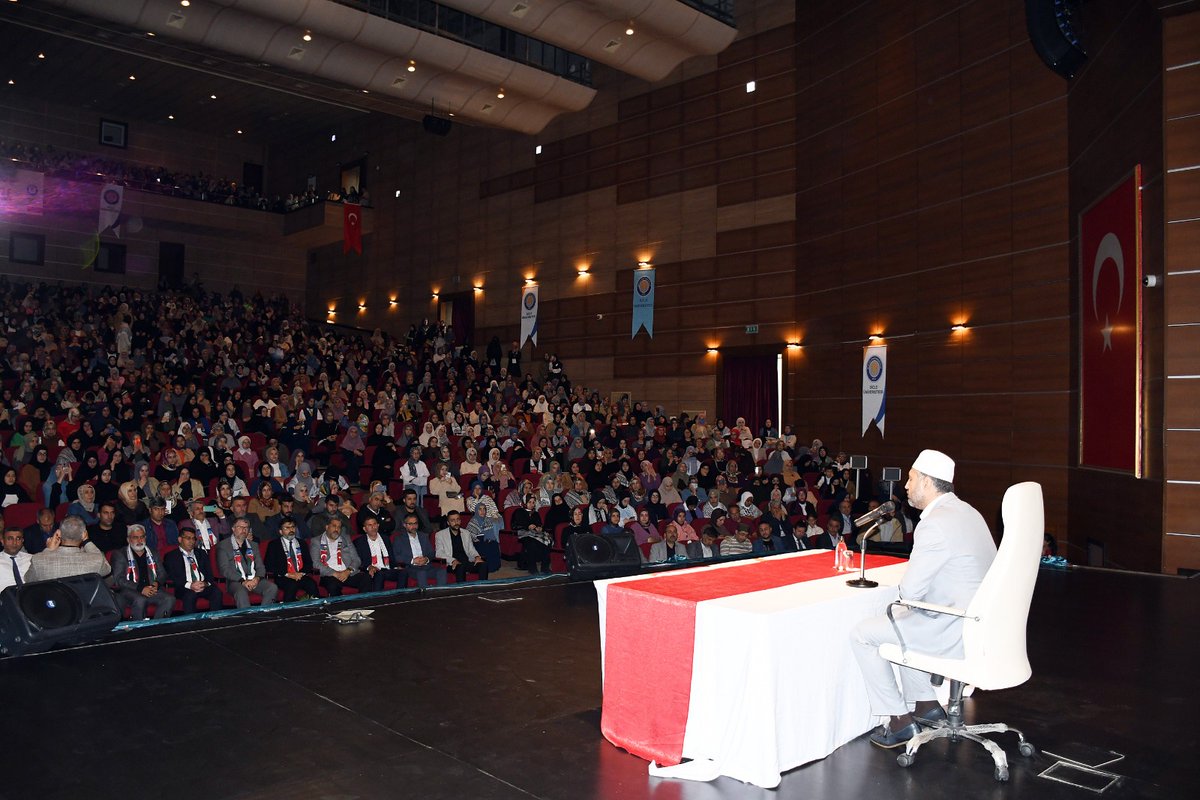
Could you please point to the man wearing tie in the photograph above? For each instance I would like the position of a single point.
(376, 552)
(337, 561)
(15, 565)
(243, 568)
(845, 515)
(286, 563)
(188, 569)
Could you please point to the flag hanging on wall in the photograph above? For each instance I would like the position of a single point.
(529, 315)
(112, 197)
(1110, 329)
(643, 302)
(874, 387)
(20, 191)
(351, 228)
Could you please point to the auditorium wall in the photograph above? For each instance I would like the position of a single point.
(226, 246)
(901, 167)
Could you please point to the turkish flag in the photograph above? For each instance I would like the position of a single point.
(1110, 329)
(352, 228)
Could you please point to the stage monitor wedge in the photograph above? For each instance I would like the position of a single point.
(1053, 32)
(591, 556)
(38, 616)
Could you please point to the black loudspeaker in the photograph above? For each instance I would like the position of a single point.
(590, 556)
(43, 614)
(1053, 31)
(436, 125)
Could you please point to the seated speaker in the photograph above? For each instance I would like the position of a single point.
(58, 613)
(591, 556)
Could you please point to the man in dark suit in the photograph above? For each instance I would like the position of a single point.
(376, 510)
(139, 579)
(829, 539)
(414, 553)
(766, 543)
(160, 529)
(379, 561)
(287, 565)
(109, 532)
(287, 511)
(844, 514)
(37, 534)
(188, 569)
(708, 546)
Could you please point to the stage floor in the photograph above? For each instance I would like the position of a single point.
(460, 696)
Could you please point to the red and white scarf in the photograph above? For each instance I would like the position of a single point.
(131, 571)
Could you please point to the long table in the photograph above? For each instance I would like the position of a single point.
(743, 667)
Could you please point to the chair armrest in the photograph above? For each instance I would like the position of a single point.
(936, 609)
(917, 604)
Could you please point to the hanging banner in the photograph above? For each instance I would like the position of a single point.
(529, 315)
(112, 197)
(20, 191)
(351, 228)
(643, 302)
(1110, 329)
(874, 387)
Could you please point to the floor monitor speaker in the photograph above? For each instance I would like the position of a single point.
(57, 613)
(591, 556)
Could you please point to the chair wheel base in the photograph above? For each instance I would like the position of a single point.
(905, 759)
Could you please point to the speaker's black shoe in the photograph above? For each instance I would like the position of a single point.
(889, 739)
(932, 717)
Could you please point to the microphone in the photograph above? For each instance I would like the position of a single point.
(871, 516)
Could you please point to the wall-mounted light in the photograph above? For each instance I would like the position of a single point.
(362, 306)
(435, 295)
(392, 301)
(750, 86)
(477, 288)
(794, 345)
(875, 337)
(582, 272)
(643, 264)
(537, 149)
(712, 351)
(959, 328)
(528, 281)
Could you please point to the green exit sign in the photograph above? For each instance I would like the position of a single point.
(751, 329)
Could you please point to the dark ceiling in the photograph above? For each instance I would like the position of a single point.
(87, 64)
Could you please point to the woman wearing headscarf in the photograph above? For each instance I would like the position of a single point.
(516, 498)
(471, 465)
(534, 537)
(557, 512)
(84, 506)
(650, 477)
(789, 474)
(427, 433)
(686, 532)
(236, 484)
(246, 456)
(353, 447)
(669, 493)
(747, 508)
(447, 489)
(12, 492)
(265, 504)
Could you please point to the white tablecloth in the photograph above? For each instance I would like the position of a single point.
(774, 682)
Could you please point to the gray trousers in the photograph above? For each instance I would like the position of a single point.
(886, 698)
(163, 602)
(268, 590)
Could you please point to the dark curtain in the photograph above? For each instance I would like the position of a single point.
(749, 389)
(462, 317)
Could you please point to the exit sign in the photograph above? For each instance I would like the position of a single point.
(751, 329)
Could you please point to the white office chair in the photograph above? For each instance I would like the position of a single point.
(993, 630)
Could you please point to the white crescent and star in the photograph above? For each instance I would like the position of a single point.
(354, 219)
(1109, 250)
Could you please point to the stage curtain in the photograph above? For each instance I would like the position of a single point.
(750, 389)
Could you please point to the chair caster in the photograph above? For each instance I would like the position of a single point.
(1027, 750)
(905, 759)
(1001, 774)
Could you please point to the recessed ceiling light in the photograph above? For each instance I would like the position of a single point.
(170, 116)
(629, 30)
(239, 130)
(333, 137)
(537, 150)
(11, 82)
(397, 193)
(366, 91)
(412, 65)
(133, 77)
(751, 86)
(149, 33)
(212, 97)
(41, 55)
(307, 36)
(185, 3)
(500, 94)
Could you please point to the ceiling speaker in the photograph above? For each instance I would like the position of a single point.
(436, 125)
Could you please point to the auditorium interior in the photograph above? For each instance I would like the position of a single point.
(806, 183)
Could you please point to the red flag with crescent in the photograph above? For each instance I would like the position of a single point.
(352, 228)
(1110, 329)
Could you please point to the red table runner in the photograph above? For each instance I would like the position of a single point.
(650, 632)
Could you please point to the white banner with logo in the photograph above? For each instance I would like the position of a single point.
(112, 197)
(874, 387)
(20, 191)
(529, 315)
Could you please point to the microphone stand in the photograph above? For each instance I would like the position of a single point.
(861, 581)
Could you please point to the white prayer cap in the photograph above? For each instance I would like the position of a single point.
(935, 464)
